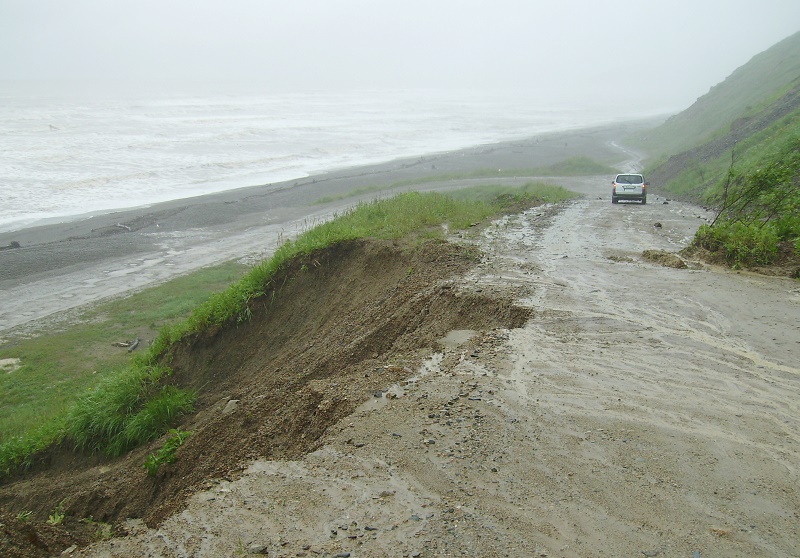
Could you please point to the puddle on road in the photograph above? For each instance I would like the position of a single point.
(452, 340)
(456, 337)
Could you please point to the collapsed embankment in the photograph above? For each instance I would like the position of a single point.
(340, 325)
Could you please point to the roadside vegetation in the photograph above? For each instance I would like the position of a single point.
(129, 401)
(759, 210)
(77, 355)
(573, 166)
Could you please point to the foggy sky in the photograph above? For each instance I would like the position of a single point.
(568, 51)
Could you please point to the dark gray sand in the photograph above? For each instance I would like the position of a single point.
(64, 265)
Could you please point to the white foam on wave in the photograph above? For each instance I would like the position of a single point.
(64, 157)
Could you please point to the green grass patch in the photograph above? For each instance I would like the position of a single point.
(576, 166)
(130, 403)
(167, 452)
(126, 409)
(703, 180)
(59, 363)
(759, 207)
(504, 197)
(573, 166)
(739, 244)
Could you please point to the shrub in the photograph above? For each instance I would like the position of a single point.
(740, 244)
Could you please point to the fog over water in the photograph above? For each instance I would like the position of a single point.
(122, 103)
(572, 50)
(64, 156)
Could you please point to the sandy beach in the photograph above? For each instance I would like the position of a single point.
(61, 266)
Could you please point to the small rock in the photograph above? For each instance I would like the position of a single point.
(256, 548)
(650, 552)
(657, 225)
(230, 406)
(69, 550)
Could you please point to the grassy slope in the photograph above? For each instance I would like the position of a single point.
(698, 174)
(748, 90)
(68, 360)
(125, 403)
(736, 149)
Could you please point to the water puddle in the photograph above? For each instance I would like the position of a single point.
(452, 340)
(456, 338)
(381, 398)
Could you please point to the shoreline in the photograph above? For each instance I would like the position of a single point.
(65, 265)
(355, 172)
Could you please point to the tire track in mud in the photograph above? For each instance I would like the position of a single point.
(660, 351)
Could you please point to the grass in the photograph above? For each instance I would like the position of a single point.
(750, 88)
(573, 166)
(72, 358)
(702, 180)
(125, 404)
(167, 452)
(505, 197)
(740, 245)
(760, 207)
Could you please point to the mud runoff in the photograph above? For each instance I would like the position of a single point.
(336, 327)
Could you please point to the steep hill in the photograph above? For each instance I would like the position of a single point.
(747, 93)
(737, 149)
(745, 142)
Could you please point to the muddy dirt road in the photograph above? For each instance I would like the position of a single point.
(642, 411)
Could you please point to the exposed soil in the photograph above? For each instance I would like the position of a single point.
(339, 326)
(667, 259)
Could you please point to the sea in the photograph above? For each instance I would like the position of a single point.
(72, 151)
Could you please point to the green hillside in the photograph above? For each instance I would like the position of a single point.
(737, 149)
(763, 80)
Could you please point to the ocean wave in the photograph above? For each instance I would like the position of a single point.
(64, 157)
